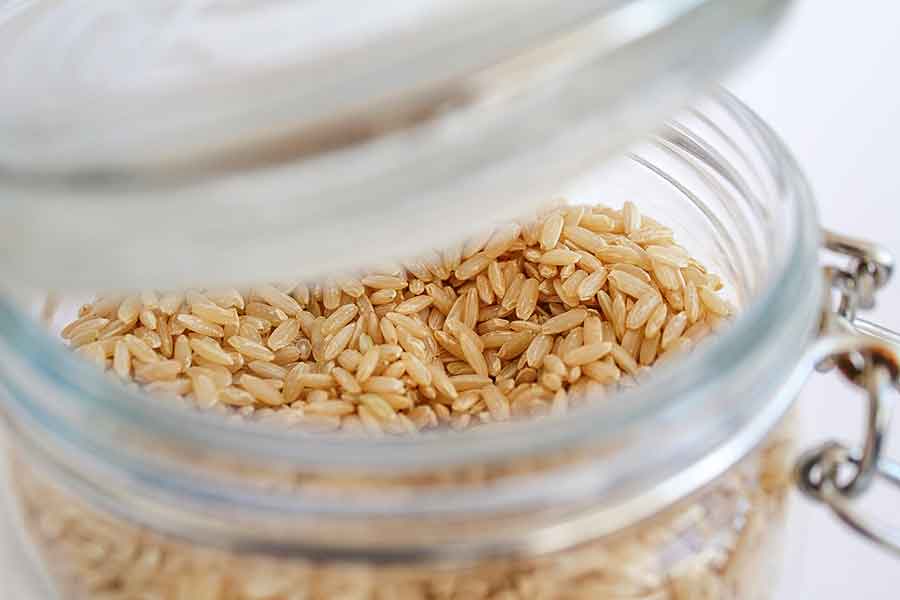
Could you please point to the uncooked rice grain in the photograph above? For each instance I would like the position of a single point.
(128, 310)
(159, 370)
(551, 230)
(214, 313)
(201, 326)
(140, 350)
(559, 257)
(261, 389)
(713, 302)
(673, 330)
(250, 349)
(379, 383)
(267, 370)
(502, 240)
(583, 355)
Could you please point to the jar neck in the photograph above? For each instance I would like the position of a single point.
(537, 487)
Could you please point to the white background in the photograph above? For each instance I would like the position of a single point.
(829, 83)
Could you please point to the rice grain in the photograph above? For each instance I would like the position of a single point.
(713, 303)
(160, 370)
(284, 334)
(564, 322)
(587, 354)
(551, 230)
(559, 257)
(201, 326)
(250, 349)
(673, 330)
(209, 349)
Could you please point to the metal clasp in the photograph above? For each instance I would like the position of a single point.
(869, 269)
(866, 355)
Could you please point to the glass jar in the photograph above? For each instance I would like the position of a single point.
(675, 490)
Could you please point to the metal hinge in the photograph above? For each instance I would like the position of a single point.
(866, 354)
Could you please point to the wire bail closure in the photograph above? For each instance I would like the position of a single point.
(866, 355)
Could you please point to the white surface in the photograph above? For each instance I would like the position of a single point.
(828, 85)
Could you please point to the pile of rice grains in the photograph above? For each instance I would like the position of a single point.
(523, 320)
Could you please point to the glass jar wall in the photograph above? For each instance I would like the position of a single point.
(723, 542)
(673, 489)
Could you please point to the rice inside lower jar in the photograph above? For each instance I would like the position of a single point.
(527, 320)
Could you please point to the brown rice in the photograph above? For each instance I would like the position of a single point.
(527, 320)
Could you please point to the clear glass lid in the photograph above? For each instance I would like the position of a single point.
(255, 140)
